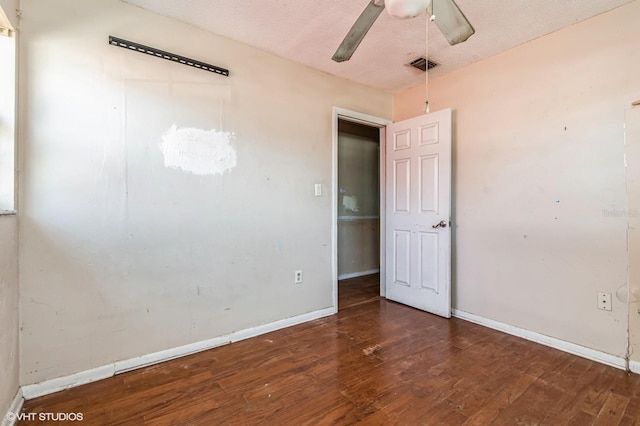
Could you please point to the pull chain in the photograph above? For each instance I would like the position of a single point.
(426, 54)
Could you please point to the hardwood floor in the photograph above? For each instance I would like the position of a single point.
(355, 291)
(378, 363)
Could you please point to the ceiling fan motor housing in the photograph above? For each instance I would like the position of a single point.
(405, 9)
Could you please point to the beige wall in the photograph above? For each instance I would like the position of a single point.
(539, 176)
(632, 136)
(8, 286)
(122, 256)
(8, 311)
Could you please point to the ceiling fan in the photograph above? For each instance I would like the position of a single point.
(448, 17)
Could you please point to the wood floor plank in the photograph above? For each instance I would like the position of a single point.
(530, 407)
(632, 413)
(612, 411)
(374, 363)
(356, 291)
(504, 398)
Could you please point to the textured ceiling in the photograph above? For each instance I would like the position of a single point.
(309, 31)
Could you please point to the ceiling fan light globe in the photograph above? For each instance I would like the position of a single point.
(405, 9)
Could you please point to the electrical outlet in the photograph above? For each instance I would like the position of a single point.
(298, 277)
(604, 301)
(318, 189)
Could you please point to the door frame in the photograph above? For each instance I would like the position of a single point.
(369, 120)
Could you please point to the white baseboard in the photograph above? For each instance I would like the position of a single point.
(278, 325)
(10, 417)
(168, 354)
(67, 382)
(634, 367)
(192, 348)
(358, 274)
(572, 348)
(61, 383)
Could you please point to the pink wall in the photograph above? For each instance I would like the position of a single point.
(538, 167)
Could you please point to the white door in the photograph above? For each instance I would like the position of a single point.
(418, 207)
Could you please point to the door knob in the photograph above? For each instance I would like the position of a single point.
(442, 224)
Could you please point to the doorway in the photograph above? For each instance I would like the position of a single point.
(415, 223)
(357, 205)
(358, 213)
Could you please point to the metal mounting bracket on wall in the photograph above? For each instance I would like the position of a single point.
(115, 41)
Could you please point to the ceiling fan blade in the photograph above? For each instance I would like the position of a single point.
(449, 18)
(358, 31)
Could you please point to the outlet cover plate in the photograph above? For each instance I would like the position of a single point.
(604, 301)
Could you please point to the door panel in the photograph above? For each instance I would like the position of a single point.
(429, 134)
(429, 261)
(402, 140)
(401, 255)
(418, 199)
(402, 185)
(429, 184)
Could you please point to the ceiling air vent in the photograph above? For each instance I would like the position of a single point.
(421, 64)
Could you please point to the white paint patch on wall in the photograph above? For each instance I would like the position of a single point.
(197, 151)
